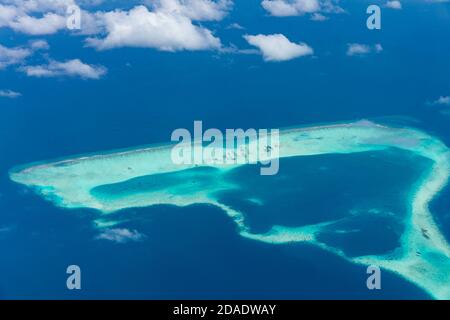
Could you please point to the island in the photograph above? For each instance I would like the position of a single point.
(108, 182)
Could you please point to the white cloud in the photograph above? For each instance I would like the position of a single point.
(206, 10)
(11, 56)
(9, 94)
(161, 30)
(37, 17)
(39, 45)
(318, 17)
(41, 17)
(90, 23)
(284, 8)
(44, 17)
(17, 55)
(357, 49)
(276, 47)
(40, 5)
(70, 68)
(442, 101)
(378, 48)
(395, 4)
(236, 26)
(7, 14)
(48, 24)
(121, 235)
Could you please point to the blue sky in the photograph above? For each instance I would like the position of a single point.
(164, 25)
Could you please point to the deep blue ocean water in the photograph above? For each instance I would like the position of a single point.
(195, 252)
(192, 252)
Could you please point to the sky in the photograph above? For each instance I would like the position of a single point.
(27, 28)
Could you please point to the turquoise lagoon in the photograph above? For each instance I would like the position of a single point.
(332, 192)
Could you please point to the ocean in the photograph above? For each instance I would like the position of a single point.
(195, 252)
